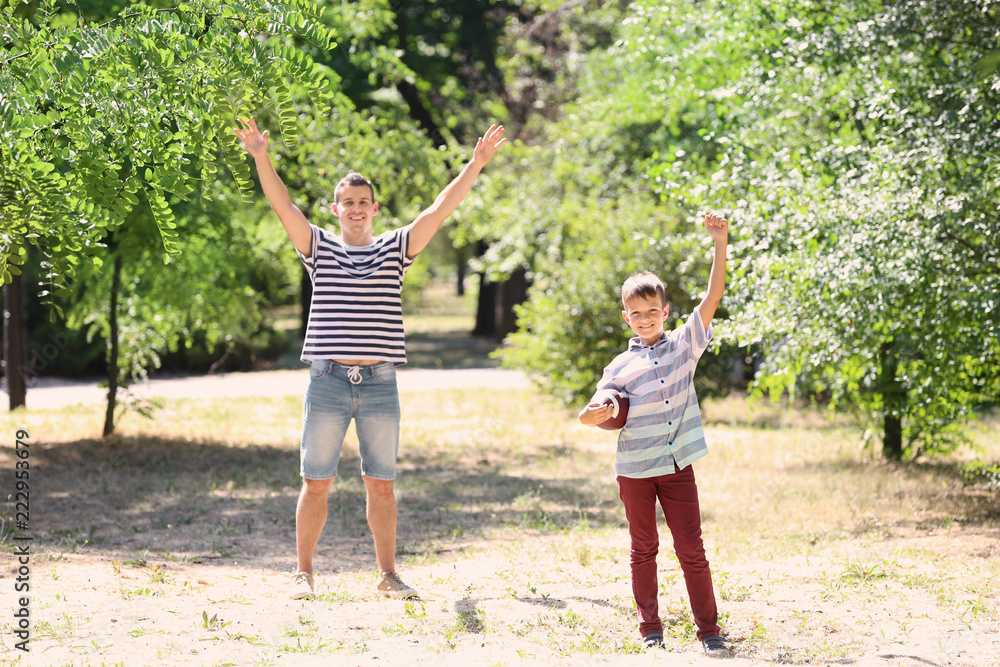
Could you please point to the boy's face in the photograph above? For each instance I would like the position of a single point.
(355, 209)
(646, 316)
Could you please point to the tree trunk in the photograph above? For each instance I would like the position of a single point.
(461, 265)
(109, 417)
(510, 292)
(486, 308)
(15, 341)
(893, 397)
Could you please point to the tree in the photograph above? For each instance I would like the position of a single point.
(97, 116)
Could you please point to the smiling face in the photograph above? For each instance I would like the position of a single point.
(646, 315)
(355, 208)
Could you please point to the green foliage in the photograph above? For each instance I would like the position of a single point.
(204, 292)
(578, 208)
(582, 239)
(99, 120)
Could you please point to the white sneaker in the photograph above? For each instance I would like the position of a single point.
(302, 586)
(391, 586)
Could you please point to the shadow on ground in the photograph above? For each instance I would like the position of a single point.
(203, 500)
(971, 499)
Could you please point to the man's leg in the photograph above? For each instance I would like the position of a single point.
(310, 518)
(381, 512)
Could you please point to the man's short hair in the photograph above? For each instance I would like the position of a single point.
(354, 178)
(645, 285)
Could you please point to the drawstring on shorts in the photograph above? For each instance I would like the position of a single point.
(354, 374)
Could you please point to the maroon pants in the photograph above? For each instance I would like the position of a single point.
(678, 496)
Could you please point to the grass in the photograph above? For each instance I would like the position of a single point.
(174, 539)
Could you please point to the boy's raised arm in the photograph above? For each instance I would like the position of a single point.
(718, 227)
(423, 229)
(292, 219)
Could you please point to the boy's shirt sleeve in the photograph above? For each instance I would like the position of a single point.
(310, 260)
(698, 336)
(608, 385)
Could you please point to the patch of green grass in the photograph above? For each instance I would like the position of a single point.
(570, 619)
(471, 621)
(860, 574)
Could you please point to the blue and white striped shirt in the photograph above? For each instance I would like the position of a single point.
(357, 303)
(664, 421)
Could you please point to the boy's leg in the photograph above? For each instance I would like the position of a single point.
(639, 498)
(679, 498)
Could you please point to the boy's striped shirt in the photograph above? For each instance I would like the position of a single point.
(357, 305)
(664, 425)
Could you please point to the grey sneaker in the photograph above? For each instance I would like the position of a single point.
(715, 647)
(302, 586)
(391, 586)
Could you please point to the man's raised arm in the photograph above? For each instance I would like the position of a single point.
(292, 219)
(423, 229)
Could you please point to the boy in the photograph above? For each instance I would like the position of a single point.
(661, 438)
(354, 341)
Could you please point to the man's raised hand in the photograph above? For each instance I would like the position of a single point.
(255, 142)
(487, 145)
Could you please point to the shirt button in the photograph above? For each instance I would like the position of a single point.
(662, 381)
(670, 423)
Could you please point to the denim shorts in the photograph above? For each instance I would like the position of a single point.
(337, 394)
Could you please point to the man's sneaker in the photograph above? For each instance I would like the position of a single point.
(302, 586)
(391, 586)
(653, 640)
(715, 647)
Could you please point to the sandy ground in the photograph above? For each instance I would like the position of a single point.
(164, 589)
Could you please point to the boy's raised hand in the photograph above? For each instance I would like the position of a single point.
(255, 142)
(717, 226)
(487, 145)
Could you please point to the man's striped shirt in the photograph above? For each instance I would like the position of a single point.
(664, 421)
(357, 305)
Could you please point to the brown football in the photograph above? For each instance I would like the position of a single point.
(620, 413)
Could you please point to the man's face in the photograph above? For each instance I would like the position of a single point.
(646, 316)
(355, 209)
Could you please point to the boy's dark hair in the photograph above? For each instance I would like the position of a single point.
(643, 284)
(354, 178)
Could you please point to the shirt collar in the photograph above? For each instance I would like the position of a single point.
(636, 344)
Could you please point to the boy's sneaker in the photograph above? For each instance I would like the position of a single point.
(391, 586)
(652, 640)
(302, 586)
(715, 647)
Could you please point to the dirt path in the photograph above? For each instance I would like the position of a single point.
(56, 393)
